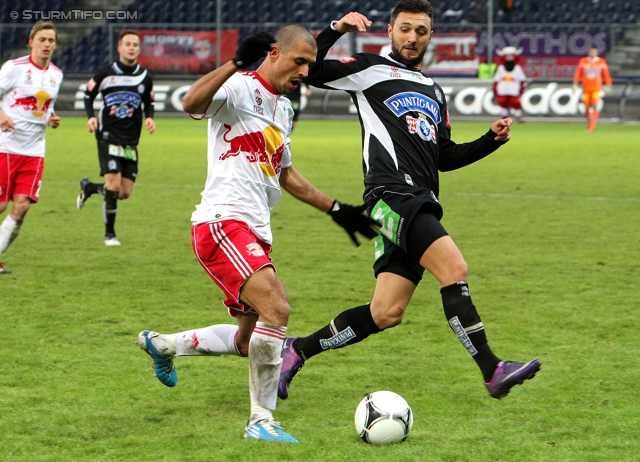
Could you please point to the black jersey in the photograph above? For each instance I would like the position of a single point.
(404, 118)
(124, 89)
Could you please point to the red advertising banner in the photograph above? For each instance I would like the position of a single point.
(184, 52)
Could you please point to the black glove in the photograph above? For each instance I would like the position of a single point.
(353, 220)
(253, 48)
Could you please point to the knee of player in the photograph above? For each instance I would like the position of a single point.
(459, 270)
(280, 313)
(391, 316)
(124, 195)
(19, 210)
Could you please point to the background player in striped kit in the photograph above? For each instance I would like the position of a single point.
(28, 87)
(127, 91)
(248, 161)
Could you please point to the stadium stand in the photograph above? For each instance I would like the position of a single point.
(91, 50)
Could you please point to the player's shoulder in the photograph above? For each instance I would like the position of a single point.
(147, 73)
(371, 59)
(102, 72)
(16, 63)
(21, 61)
(55, 69)
(140, 70)
(247, 78)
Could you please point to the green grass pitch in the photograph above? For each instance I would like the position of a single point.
(550, 228)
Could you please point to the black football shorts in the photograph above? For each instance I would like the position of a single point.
(410, 223)
(114, 158)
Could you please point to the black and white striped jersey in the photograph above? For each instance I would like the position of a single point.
(404, 118)
(124, 89)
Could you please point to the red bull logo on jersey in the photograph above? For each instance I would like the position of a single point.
(38, 104)
(265, 147)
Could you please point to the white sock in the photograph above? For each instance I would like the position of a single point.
(209, 341)
(517, 113)
(265, 347)
(504, 113)
(8, 232)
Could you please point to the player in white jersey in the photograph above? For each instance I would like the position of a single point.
(248, 161)
(509, 82)
(28, 87)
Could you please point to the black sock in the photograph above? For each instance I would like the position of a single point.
(466, 324)
(93, 188)
(349, 327)
(110, 210)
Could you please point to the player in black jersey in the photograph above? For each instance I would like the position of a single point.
(406, 141)
(127, 92)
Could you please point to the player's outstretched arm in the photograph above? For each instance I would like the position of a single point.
(350, 217)
(299, 187)
(199, 96)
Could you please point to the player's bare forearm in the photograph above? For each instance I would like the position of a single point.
(197, 99)
(299, 187)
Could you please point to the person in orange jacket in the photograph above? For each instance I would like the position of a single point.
(592, 71)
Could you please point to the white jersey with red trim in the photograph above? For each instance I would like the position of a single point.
(509, 82)
(249, 127)
(28, 94)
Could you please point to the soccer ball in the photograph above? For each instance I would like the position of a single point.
(383, 417)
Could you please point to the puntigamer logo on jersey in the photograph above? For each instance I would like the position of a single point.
(409, 101)
(120, 102)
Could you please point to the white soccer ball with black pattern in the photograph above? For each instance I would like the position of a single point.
(383, 417)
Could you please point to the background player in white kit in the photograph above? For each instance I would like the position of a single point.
(248, 160)
(28, 87)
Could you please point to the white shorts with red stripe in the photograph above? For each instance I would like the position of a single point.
(229, 252)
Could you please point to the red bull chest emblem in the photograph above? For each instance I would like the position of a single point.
(38, 104)
(264, 147)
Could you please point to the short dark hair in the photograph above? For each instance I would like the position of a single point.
(42, 25)
(412, 6)
(292, 34)
(124, 32)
